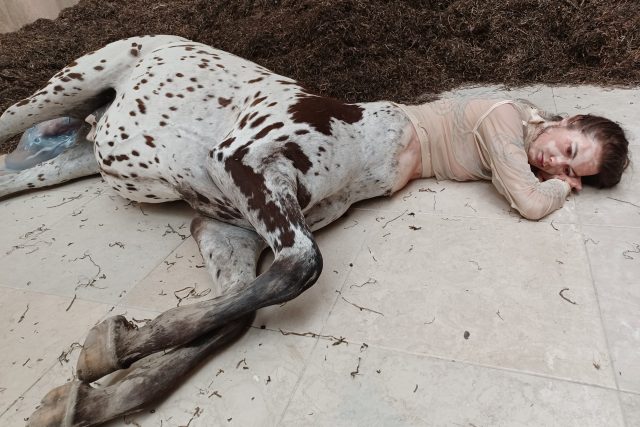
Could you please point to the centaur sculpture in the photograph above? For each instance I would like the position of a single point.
(262, 161)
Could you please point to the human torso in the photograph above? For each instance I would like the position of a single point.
(456, 141)
(473, 139)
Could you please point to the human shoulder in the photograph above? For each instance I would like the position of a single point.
(498, 118)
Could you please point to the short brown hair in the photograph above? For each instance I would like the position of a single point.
(615, 148)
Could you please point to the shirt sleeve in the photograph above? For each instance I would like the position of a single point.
(501, 135)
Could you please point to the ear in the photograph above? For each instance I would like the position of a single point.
(565, 122)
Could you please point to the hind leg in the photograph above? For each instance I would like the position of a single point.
(82, 86)
(112, 345)
(41, 107)
(79, 404)
(76, 162)
(230, 254)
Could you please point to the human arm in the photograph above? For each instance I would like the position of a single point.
(574, 181)
(501, 136)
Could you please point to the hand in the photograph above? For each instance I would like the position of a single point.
(575, 182)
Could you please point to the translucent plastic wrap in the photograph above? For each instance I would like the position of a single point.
(42, 142)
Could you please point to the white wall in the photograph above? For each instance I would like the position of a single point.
(16, 13)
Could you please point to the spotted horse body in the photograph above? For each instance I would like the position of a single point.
(262, 161)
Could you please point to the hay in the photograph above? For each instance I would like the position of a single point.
(357, 50)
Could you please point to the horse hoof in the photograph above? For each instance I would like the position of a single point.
(98, 357)
(57, 407)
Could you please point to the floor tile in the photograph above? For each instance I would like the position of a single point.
(490, 292)
(64, 368)
(247, 384)
(478, 199)
(29, 214)
(622, 326)
(36, 330)
(619, 206)
(620, 105)
(614, 254)
(100, 253)
(631, 408)
(180, 278)
(357, 385)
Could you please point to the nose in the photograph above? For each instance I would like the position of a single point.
(557, 161)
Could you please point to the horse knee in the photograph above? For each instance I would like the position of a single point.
(230, 253)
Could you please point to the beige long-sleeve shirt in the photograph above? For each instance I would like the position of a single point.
(486, 139)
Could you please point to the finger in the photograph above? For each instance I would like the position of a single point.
(577, 183)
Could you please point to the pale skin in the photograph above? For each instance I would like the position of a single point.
(558, 152)
(565, 154)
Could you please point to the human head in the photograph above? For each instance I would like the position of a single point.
(615, 148)
(583, 146)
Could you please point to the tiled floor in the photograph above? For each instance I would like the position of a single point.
(437, 307)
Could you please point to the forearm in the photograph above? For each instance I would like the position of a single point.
(540, 200)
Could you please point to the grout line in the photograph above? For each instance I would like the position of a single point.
(321, 330)
(64, 296)
(299, 380)
(602, 323)
(503, 215)
(51, 294)
(90, 197)
(46, 371)
(122, 302)
(127, 308)
(357, 255)
(472, 364)
(501, 368)
(611, 226)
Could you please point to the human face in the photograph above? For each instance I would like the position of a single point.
(561, 151)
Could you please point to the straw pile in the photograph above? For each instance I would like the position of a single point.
(357, 50)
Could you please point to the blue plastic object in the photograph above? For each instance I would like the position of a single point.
(43, 142)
